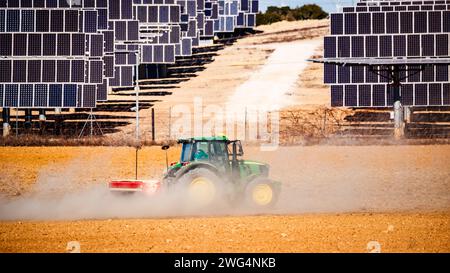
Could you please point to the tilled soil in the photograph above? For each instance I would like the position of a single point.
(297, 233)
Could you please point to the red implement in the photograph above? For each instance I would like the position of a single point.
(145, 186)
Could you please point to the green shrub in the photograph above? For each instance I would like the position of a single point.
(276, 14)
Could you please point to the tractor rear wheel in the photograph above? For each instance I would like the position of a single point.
(261, 194)
(203, 188)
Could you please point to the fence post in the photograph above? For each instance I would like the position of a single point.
(170, 120)
(153, 124)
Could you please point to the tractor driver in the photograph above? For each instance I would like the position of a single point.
(200, 155)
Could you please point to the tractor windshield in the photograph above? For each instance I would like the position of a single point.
(214, 151)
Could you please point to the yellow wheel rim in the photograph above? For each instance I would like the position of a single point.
(201, 191)
(262, 194)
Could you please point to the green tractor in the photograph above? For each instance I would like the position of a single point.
(211, 170)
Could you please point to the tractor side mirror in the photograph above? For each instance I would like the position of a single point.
(240, 151)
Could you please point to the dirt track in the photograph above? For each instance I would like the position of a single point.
(334, 199)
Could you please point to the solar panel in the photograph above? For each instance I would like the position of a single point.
(109, 66)
(77, 74)
(20, 44)
(126, 76)
(49, 66)
(55, 95)
(102, 91)
(19, 71)
(62, 71)
(71, 21)
(96, 71)
(90, 21)
(89, 94)
(96, 45)
(49, 44)
(12, 20)
(6, 44)
(26, 95)
(408, 30)
(5, 70)
(337, 95)
(70, 95)
(11, 95)
(2, 20)
(41, 95)
(34, 70)
(435, 94)
(56, 20)
(63, 44)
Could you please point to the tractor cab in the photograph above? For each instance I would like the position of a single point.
(218, 153)
(206, 150)
(214, 149)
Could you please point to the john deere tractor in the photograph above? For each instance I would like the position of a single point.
(210, 170)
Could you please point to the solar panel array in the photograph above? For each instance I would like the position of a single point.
(160, 27)
(236, 14)
(67, 53)
(389, 29)
(46, 59)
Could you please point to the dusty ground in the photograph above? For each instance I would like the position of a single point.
(335, 199)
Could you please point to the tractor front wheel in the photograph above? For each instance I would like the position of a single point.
(202, 188)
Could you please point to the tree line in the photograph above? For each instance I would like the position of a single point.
(276, 14)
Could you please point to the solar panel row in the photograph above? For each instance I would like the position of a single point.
(236, 14)
(380, 95)
(39, 44)
(46, 71)
(126, 30)
(359, 74)
(391, 22)
(47, 95)
(423, 7)
(408, 45)
(29, 20)
(53, 4)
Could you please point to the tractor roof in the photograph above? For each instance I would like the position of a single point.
(213, 138)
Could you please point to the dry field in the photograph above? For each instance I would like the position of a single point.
(334, 199)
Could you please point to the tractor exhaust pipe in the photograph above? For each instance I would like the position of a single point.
(165, 148)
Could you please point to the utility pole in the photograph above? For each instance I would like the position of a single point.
(136, 90)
